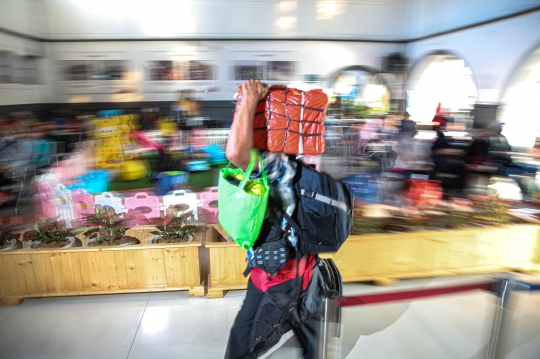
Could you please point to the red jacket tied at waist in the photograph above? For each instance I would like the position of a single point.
(305, 268)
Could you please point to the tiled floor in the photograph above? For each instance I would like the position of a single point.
(173, 325)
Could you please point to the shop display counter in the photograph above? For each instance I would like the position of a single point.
(145, 267)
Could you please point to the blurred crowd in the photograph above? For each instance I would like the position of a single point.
(447, 152)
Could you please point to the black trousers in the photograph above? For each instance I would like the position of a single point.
(238, 345)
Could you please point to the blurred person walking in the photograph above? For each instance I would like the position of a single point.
(412, 156)
(267, 301)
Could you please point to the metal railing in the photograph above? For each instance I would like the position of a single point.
(329, 334)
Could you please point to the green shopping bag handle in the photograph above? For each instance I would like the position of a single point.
(247, 174)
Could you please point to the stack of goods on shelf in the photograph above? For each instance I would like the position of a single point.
(207, 148)
(111, 130)
(364, 186)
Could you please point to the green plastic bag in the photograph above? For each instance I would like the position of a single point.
(242, 201)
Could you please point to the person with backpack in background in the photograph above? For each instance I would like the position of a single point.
(284, 292)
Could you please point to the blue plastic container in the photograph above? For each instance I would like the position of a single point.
(217, 154)
(168, 181)
(110, 113)
(365, 187)
(93, 182)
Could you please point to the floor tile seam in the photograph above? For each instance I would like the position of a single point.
(10, 313)
(138, 327)
(514, 348)
(67, 306)
(431, 332)
(536, 305)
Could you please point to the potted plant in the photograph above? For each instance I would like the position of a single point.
(174, 229)
(8, 237)
(52, 233)
(107, 228)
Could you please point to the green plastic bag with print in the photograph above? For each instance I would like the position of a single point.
(242, 201)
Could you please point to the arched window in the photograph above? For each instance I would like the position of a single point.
(440, 78)
(357, 91)
(518, 111)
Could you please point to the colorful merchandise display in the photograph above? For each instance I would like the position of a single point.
(111, 134)
(424, 192)
(134, 170)
(364, 186)
(170, 181)
(93, 182)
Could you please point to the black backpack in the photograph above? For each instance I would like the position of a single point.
(324, 211)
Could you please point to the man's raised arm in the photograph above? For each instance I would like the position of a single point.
(240, 140)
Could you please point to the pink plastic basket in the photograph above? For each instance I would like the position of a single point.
(208, 213)
(143, 200)
(83, 203)
(207, 197)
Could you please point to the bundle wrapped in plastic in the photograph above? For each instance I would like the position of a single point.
(290, 121)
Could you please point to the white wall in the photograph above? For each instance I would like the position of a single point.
(14, 94)
(98, 19)
(26, 17)
(493, 51)
(23, 16)
(357, 19)
(427, 17)
(313, 57)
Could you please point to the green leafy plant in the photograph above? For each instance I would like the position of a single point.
(47, 230)
(497, 210)
(173, 228)
(106, 227)
(492, 210)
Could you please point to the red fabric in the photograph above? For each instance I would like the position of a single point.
(439, 120)
(278, 125)
(410, 294)
(425, 192)
(305, 268)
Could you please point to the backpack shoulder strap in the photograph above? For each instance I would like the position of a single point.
(324, 199)
(292, 223)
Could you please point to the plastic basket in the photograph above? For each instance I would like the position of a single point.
(108, 199)
(181, 197)
(83, 203)
(168, 181)
(143, 200)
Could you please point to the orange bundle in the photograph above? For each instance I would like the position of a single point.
(290, 121)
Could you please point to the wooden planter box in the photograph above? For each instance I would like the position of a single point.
(31, 273)
(384, 258)
(227, 262)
